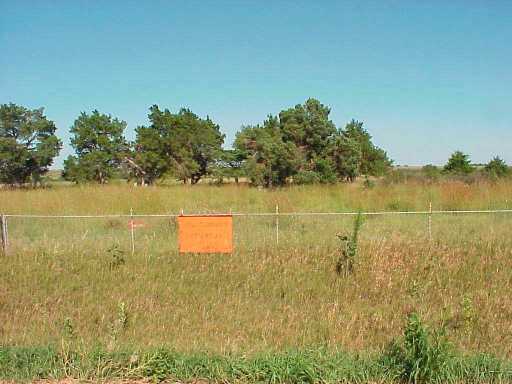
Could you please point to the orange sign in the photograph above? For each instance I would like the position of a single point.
(205, 234)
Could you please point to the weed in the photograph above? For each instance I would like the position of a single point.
(348, 252)
(421, 356)
(414, 289)
(68, 329)
(68, 348)
(468, 313)
(116, 258)
(118, 325)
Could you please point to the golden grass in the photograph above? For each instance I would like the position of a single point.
(263, 297)
(120, 198)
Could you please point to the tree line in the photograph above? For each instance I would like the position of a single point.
(300, 145)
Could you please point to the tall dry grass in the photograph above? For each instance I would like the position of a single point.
(264, 297)
(200, 198)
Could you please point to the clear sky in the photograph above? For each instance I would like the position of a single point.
(426, 77)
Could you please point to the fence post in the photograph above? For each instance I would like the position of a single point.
(277, 224)
(430, 221)
(132, 231)
(5, 239)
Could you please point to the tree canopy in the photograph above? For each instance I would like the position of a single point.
(299, 145)
(28, 144)
(99, 144)
(269, 160)
(497, 168)
(374, 161)
(458, 164)
(179, 144)
(304, 145)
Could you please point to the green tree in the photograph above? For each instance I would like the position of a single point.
(293, 145)
(99, 145)
(304, 145)
(458, 164)
(497, 168)
(374, 160)
(28, 144)
(180, 144)
(346, 156)
(149, 160)
(308, 127)
(269, 160)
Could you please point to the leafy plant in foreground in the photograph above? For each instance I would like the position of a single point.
(420, 356)
(346, 261)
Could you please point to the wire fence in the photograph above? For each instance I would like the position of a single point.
(158, 232)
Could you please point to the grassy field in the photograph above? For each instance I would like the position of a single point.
(77, 279)
(120, 198)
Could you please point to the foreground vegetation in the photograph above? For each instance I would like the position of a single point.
(268, 312)
(419, 356)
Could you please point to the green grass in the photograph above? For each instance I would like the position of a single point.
(421, 355)
(314, 365)
(77, 281)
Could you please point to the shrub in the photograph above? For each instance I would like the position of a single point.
(497, 168)
(306, 177)
(431, 172)
(458, 164)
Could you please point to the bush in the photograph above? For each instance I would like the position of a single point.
(497, 168)
(458, 164)
(306, 177)
(431, 172)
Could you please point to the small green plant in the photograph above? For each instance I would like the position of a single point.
(415, 288)
(68, 346)
(159, 365)
(468, 312)
(68, 330)
(348, 252)
(122, 316)
(118, 325)
(421, 356)
(116, 258)
(394, 205)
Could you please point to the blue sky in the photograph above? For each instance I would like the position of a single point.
(427, 78)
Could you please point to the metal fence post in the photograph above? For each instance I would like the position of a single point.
(5, 238)
(430, 221)
(132, 229)
(277, 224)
